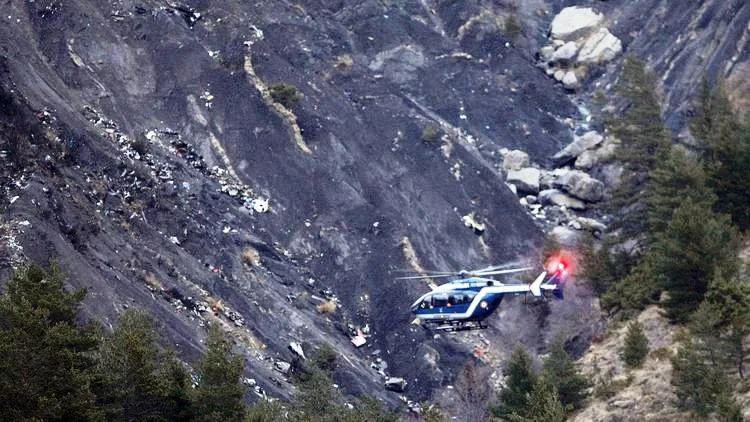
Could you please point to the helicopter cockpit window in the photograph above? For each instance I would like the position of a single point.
(440, 300)
(461, 298)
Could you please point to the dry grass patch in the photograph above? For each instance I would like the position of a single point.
(344, 62)
(152, 281)
(327, 307)
(250, 256)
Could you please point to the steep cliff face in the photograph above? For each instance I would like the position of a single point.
(161, 143)
(158, 140)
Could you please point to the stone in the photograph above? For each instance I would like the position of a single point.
(580, 185)
(574, 22)
(512, 188)
(565, 236)
(570, 80)
(591, 224)
(526, 179)
(600, 47)
(586, 160)
(556, 197)
(282, 366)
(395, 384)
(580, 144)
(546, 179)
(515, 160)
(547, 52)
(566, 53)
(559, 75)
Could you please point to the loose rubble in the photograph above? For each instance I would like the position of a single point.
(559, 199)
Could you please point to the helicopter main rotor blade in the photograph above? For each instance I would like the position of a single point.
(415, 277)
(432, 272)
(499, 267)
(508, 271)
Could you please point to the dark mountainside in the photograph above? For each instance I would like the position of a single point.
(132, 105)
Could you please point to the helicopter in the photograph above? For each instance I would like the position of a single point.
(463, 304)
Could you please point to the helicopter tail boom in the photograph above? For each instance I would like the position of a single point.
(535, 287)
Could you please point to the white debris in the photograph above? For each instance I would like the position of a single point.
(260, 205)
(296, 348)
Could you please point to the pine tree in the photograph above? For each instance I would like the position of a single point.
(673, 180)
(219, 393)
(698, 383)
(723, 322)
(635, 349)
(730, 179)
(726, 150)
(47, 366)
(519, 383)
(684, 258)
(137, 380)
(728, 410)
(265, 411)
(560, 371)
(644, 142)
(700, 124)
(542, 405)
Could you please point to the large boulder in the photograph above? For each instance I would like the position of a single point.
(565, 236)
(580, 144)
(515, 160)
(526, 179)
(574, 22)
(600, 47)
(556, 197)
(581, 185)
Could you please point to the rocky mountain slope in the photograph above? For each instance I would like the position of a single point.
(144, 150)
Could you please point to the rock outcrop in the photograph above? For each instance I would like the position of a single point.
(579, 41)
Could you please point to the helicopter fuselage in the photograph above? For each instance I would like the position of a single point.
(472, 300)
(464, 300)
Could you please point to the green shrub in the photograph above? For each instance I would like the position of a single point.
(430, 134)
(285, 94)
(325, 359)
(636, 346)
(512, 27)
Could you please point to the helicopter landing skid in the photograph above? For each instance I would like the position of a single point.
(459, 326)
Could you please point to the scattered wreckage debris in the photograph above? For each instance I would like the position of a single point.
(470, 220)
(139, 150)
(296, 348)
(189, 15)
(395, 384)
